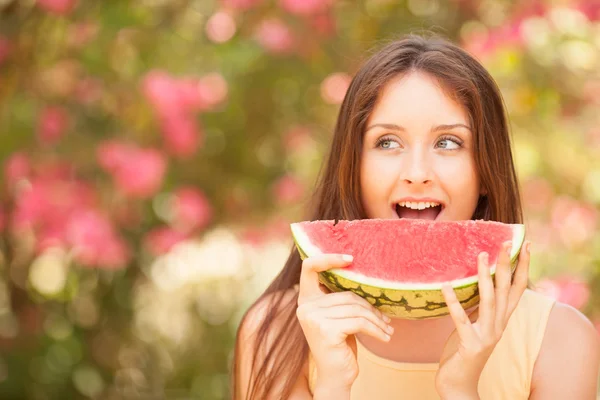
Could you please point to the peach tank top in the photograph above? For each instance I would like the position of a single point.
(507, 374)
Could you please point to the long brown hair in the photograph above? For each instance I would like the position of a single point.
(338, 195)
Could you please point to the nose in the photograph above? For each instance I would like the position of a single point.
(417, 169)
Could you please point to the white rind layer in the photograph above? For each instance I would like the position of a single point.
(302, 238)
(310, 250)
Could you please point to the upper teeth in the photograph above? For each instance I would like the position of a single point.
(418, 205)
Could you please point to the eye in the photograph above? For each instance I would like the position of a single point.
(387, 143)
(449, 143)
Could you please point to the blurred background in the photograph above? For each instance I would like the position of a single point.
(153, 153)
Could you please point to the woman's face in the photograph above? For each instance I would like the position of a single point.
(417, 159)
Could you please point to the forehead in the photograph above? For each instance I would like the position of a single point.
(417, 98)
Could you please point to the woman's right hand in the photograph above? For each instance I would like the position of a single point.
(330, 321)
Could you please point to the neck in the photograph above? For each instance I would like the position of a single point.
(413, 341)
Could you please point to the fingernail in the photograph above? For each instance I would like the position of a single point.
(486, 259)
(386, 318)
(387, 337)
(528, 247)
(389, 329)
(347, 257)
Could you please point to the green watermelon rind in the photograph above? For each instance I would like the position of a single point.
(402, 300)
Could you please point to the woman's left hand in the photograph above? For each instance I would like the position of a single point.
(471, 344)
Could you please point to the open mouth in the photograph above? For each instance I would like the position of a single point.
(421, 210)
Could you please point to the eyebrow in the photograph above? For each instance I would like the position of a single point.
(443, 127)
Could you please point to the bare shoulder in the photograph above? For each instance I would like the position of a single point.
(569, 358)
(277, 308)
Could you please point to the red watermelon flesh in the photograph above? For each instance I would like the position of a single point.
(411, 251)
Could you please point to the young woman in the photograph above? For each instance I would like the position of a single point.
(421, 121)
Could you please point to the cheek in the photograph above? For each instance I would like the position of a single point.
(374, 178)
(459, 175)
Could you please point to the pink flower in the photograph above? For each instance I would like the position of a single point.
(112, 154)
(94, 240)
(32, 205)
(575, 221)
(288, 189)
(137, 172)
(591, 9)
(52, 124)
(49, 236)
(47, 202)
(188, 95)
(115, 254)
(59, 7)
(323, 23)
(142, 175)
(174, 102)
(5, 49)
(181, 135)
(57, 170)
(305, 7)
(486, 43)
(334, 87)
(16, 168)
(275, 36)
(191, 209)
(61, 211)
(568, 290)
(161, 240)
(220, 27)
(171, 97)
(162, 92)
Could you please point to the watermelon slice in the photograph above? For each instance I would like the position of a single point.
(400, 264)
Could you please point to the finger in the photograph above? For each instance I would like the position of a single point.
(464, 327)
(352, 326)
(343, 298)
(487, 297)
(503, 282)
(309, 276)
(521, 278)
(356, 311)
